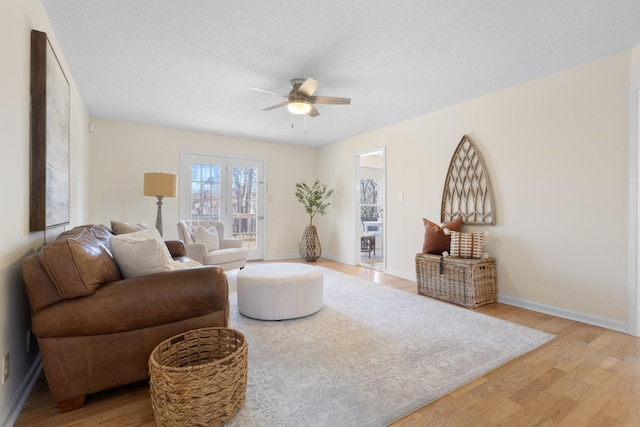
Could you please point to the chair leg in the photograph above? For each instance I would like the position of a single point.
(71, 404)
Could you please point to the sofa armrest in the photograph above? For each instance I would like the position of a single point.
(196, 251)
(137, 303)
(176, 248)
(231, 243)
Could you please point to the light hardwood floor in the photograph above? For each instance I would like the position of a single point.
(586, 376)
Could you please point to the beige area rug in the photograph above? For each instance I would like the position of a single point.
(371, 355)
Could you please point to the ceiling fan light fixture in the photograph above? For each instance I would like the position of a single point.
(299, 107)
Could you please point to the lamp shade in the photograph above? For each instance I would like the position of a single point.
(160, 184)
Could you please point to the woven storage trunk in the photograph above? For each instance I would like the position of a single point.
(198, 378)
(466, 282)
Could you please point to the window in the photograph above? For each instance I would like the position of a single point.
(370, 208)
(205, 192)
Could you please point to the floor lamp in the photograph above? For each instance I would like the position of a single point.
(160, 185)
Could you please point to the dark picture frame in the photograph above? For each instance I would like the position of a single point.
(50, 138)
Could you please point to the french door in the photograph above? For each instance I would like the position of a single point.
(225, 189)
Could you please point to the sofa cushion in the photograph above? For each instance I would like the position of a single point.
(78, 265)
(102, 233)
(223, 256)
(435, 241)
(208, 236)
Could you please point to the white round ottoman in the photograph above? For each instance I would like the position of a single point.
(278, 291)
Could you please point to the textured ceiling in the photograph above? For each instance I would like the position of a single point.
(190, 63)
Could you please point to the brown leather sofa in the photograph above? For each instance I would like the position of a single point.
(95, 329)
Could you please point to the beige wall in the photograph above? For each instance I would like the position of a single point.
(635, 65)
(17, 19)
(557, 153)
(556, 149)
(122, 152)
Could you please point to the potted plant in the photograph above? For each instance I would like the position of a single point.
(314, 198)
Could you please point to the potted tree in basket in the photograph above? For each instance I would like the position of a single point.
(314, 198)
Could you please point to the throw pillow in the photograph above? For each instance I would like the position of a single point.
(102, 233)
(208, 236)
(466, 245)
(435, 241)
(140, 253)
(78, 265)
(125, 227)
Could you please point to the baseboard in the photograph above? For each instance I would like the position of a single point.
(11, 412)
(279, 257)
(401, 274)
(589, 319)
(516, 302)
(297, 256)
(564, 313)
(333, 258)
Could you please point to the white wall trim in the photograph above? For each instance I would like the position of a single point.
(633, 301)
(13, 409)
(564, 313)
(277, 257)
(577, 316)
(546, 309)
(402, 275)
(543, 308)
(334, 258)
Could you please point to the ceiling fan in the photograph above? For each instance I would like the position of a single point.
(300, 99)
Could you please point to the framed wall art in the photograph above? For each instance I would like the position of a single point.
(467, 189)
(50, 135)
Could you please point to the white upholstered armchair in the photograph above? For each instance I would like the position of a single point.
(206, 243)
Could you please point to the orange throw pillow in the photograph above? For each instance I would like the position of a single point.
(435, 241)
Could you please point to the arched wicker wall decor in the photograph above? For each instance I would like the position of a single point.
(467, 189)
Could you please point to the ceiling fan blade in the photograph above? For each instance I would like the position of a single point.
(313, 112)
(273, 107)
(308, 87)
(330, 100)
(271, 92)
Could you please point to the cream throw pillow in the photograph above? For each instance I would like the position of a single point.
(208, 236)
(140, 253)
(466, 245)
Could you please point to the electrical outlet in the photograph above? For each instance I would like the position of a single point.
(5, 368)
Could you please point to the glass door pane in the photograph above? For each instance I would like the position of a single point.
(244, 204)
(205, 192)
(227, 190)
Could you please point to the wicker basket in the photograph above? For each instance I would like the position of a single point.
(198, 378)
(466, 282)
